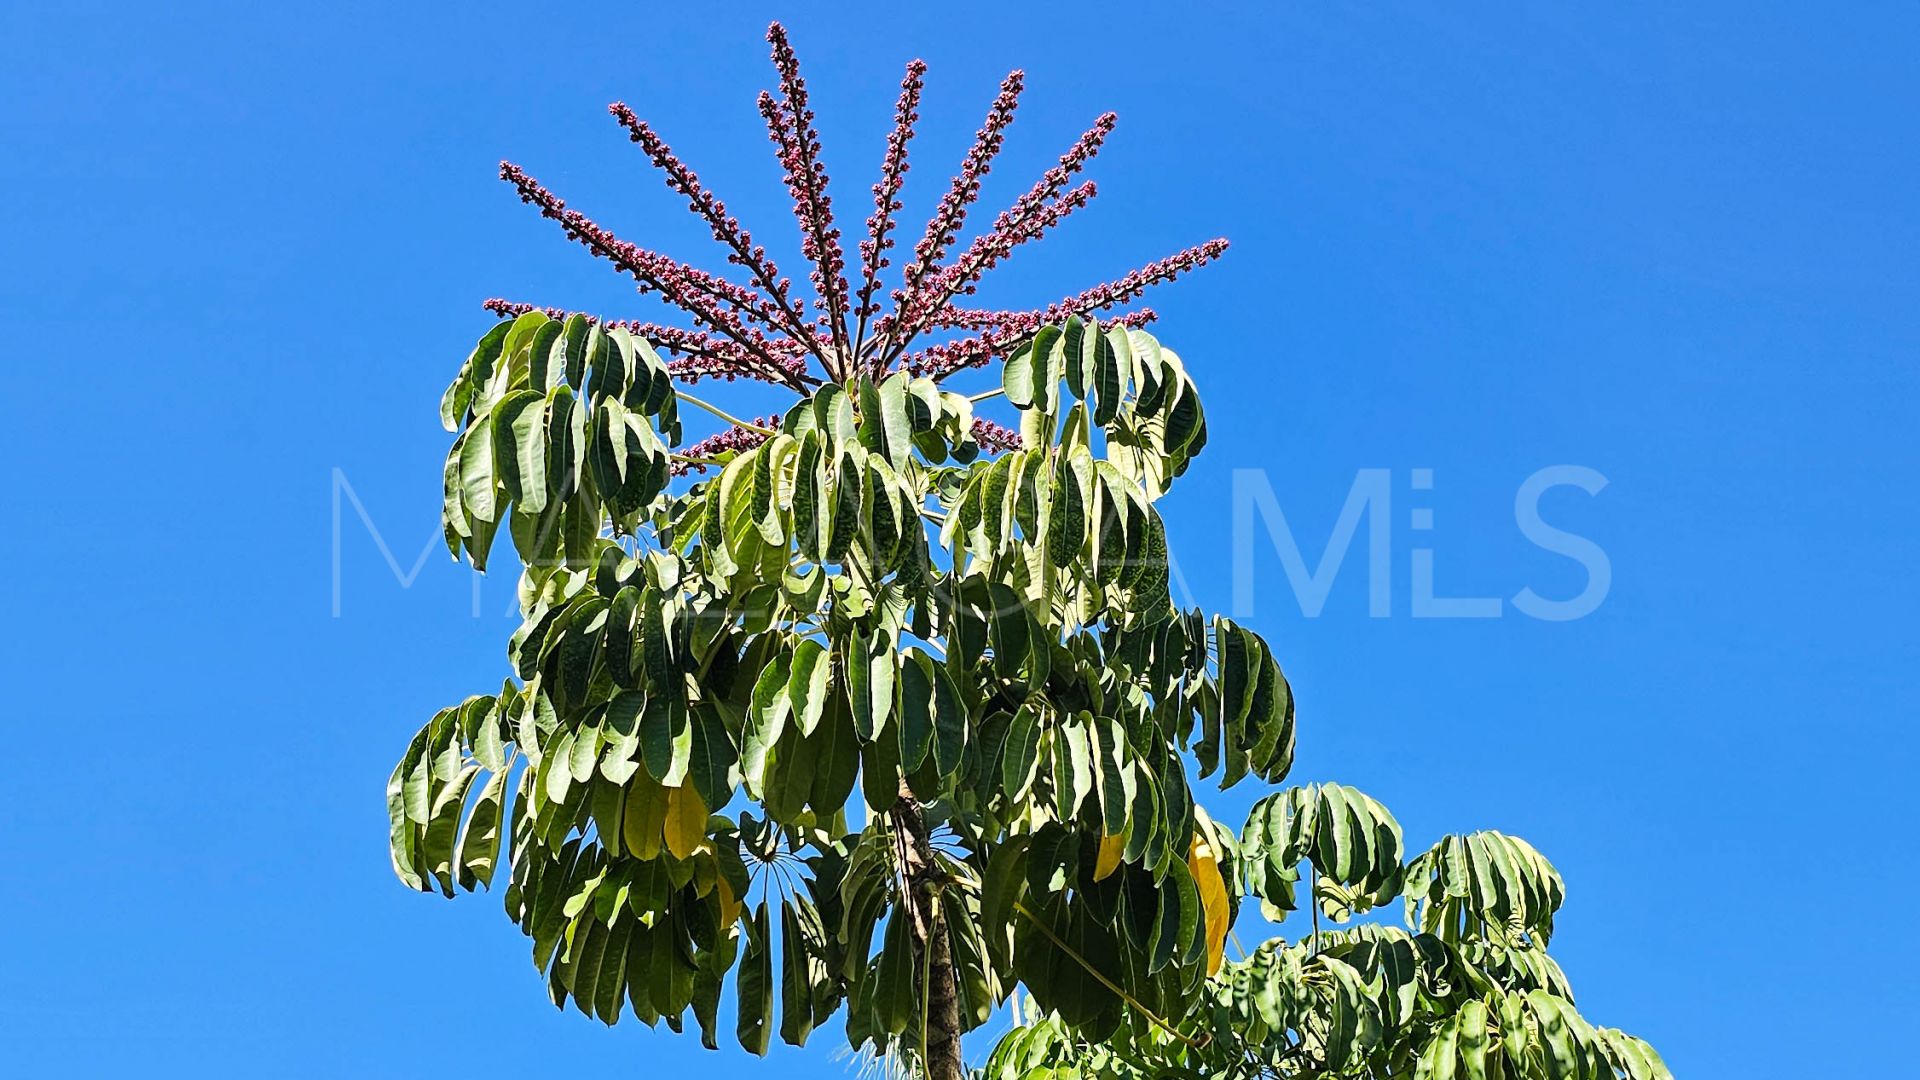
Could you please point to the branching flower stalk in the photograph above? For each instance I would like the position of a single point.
(726, 229)
(790, 125)
(943, 230)
(759, 329)
(886, 198)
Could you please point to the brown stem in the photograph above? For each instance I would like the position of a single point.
(925, 878)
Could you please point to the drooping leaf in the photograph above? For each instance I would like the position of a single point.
(808, 683)
(755, 1008)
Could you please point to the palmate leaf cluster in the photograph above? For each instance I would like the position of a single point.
(1465, 990)
(735, 697)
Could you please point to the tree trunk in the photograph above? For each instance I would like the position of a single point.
(933, 953)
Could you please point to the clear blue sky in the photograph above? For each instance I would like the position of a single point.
(1672, 246)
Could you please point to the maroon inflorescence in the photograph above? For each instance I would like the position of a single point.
(756, 329)
(697, 457)
(994, 438)
(726, 229)
(790, 124)
(1041, 208)
(1003, 331)
(886, 193)
(951, 214)
(703, 355)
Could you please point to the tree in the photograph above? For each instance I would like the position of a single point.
(880, 706)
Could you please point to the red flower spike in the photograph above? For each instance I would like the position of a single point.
(710, 300)
(886, 198)
(1040, 209)
(986, 253)
(734, 438)
(994, 438)
(683, 181)
(704, 355)
(790, 125)
(1005, 331)
(761, 331)
(948, 218)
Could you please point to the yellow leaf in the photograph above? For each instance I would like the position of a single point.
(646, 810)
(685, 827)
(1213, 897)
(729, 903)
(1111, 848)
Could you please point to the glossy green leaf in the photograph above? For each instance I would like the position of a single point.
(755, 1005)
(808, 683)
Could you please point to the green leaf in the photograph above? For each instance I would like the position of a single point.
(1112, 774)
(1019, 762)
(1075, 338)
(1008, 630)
(666, 738)
(473, 373)
(895, 997)
(849, 487)
(895, 420)
(760, 498)
(754, 1024)
(437, 844)
(1237, 674)
(479, 849)
(738, 537)
(453, 517)
(1067, 520)
(836, 761)
(1021, 376)
(776, 458)
(1073, 764)
(916, 709)
(644, 817)
(611, 980)
(1337, 847)
(403, 837)
(1471, 1040)
(566, 441)
(766, 719)
(812, 519)
(476, 492)
(870, 679)
(711, 758)
(1178, 925)
(607, 806)
(880, 768)
(520, 448)
(789, 774)
(441, 734)
(607, 352)
(1109, 365)
(656, 652)
(619, 643)
(808, 683)
(949, 723)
